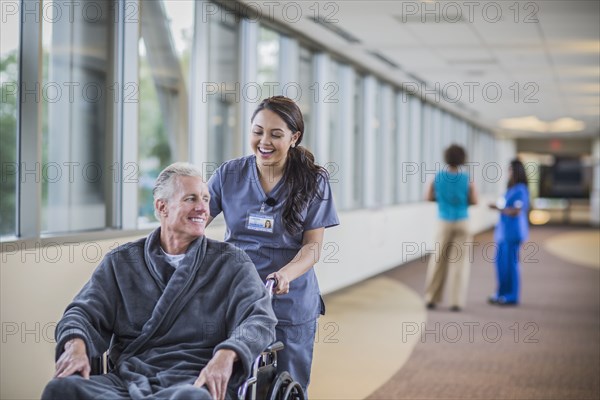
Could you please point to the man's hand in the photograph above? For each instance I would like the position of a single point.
(217, 372)
(74, 359)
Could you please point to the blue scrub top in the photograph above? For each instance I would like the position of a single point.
(452, 195)
(236, 191)
(514, 229)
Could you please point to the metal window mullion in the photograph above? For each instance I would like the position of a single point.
(29, 148)
(128, 124)
(116, 213)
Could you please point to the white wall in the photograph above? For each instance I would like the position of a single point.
(36, 285)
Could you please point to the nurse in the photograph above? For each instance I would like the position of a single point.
(511, 231)
(277, 203)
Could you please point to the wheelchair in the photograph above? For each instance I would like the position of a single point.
(264, 383)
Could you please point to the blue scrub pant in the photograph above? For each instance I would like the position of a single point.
(296, 357)
(507, 271)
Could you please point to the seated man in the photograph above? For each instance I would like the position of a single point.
(185, 315)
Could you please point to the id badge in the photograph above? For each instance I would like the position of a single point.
(261, 222)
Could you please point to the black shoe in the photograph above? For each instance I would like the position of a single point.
(493, 300)
(430, 306)
(455, 308)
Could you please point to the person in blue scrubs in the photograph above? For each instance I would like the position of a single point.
(511, 231)
(277, 203)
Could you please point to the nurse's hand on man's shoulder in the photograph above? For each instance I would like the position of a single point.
(283, 282)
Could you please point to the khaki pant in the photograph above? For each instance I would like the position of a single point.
(450, 260)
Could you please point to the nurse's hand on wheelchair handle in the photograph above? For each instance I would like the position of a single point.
(73, 360)
(282, 283)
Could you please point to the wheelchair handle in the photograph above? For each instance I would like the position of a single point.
(271, 283)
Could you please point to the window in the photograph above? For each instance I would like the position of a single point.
(358, 136)
(437, 142)
(9, 84)
(335, 135)
(384, 144)
(414, 163)
(72, 135)
(306, 101)
(77, 95)
(428, 158)
(402, 146)
(165, 49)
(268, 62)
(224, 142)
(378, 139)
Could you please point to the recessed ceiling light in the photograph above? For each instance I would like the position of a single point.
(534, 124)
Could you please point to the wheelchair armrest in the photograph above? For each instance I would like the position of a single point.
(273, 347)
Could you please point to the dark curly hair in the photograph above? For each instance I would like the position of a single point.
(301, 174)
(455, 155)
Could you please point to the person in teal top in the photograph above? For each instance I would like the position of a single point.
(453, 192)
(511, 231)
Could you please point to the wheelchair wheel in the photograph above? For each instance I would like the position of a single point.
(285, 388)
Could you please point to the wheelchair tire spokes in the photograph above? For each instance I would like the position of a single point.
(285, 388)
(293, 392)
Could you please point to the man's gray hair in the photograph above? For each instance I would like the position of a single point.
(164, 186)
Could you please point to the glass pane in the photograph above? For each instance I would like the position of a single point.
(9, 84)
(378, 139)
(268, 62)
(405, 138)
(359, 157)
(165, 49)
(334, 160)
(306, 81)
(414, 159)
(77, 97)
(224, 142)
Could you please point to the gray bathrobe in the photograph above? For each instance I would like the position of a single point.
(165, 324)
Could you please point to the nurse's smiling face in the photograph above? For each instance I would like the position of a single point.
(271, 139)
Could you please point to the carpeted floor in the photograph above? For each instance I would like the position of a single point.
(546, 348)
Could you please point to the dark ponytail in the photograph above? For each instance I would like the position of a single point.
(518, 175)
(301, 175)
